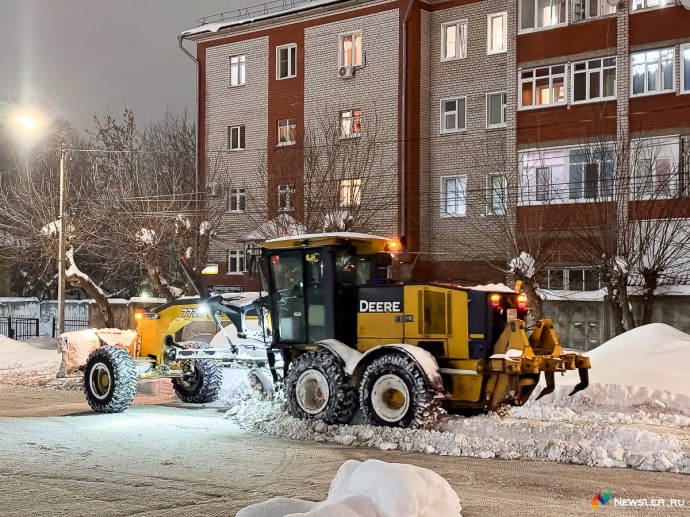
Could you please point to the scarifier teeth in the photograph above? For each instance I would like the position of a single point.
(546, 391)
(549, 377)
(584, 381)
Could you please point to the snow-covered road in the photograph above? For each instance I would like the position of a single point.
(59, 459)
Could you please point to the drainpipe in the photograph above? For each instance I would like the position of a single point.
(403, 186)
(180, 40)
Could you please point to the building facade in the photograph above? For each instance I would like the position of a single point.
(471, 129)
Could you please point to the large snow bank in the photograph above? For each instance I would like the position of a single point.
(372, 489)
(654, 356)
(25, 364)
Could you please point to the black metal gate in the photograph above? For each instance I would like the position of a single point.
(19, 328)
(6, 326)
(71, 325)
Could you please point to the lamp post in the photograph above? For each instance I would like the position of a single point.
(62, 253)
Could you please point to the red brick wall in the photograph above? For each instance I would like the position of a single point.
(658, 112)
(659, 25)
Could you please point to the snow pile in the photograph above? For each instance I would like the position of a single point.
(147, 236)
(372, 489)
(23, 364)
(493, 288)
(76, 346)
(523, 264)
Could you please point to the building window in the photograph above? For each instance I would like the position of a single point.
(573, 279)
(497, 193)
(286, 131)
(454, 40)
(538, 14)
(237, 200)
(235, 261)
(542, 86)
(286, 194)
(236, 138)
(454, 195)
(237, 64)
(350, 50)
(453, 115)
(636, 5)
(685, 68)
(652, 177)
(496, 40)
(590, 174)
(351, 192)
(495, 109)
(543, 180)
(594, 80)
(351, 123)
(588, 9)
(286, 61)
(652, 71)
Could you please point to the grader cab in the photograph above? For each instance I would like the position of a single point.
(352, 337)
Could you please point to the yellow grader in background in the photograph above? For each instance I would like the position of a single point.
(350, 337)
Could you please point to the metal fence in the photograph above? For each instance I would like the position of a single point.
(18, 328)
(71, 325)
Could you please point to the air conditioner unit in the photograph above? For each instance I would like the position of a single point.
(345, 71)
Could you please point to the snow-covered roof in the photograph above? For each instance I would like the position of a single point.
(330, 235)
(253, 14)
(277, 227)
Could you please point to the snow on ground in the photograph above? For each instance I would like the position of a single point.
(372, 488)
(636, 413)
(27, 363)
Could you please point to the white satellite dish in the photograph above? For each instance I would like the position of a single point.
(614, 3)
(685, 3)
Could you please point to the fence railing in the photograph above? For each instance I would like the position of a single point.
(18, 328)
(71, 325)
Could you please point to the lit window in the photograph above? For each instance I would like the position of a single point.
(350, 192)
(351, 123)
(454, 194)
(588, 9)
(685, 68)
(497, 193)
(235, 261)
(652, 71)
(453, 115)
(237, 200)
(286, 131)
(454, 40)
(496, 33)
(285, 197)
(237, 65)
(236, 138)
(594, 79)
(537, 14)
(542, 86)
(286, 61)
(350, 51)
(636, 5)
(495, 109)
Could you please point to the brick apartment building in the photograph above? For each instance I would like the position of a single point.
(475, 103)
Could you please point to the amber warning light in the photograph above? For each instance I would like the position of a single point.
(393, 246)
(522, 302)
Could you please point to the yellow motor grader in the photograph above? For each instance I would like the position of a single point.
(353, 338)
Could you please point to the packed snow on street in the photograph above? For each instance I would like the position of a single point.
(636, 414)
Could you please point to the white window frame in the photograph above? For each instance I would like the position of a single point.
(241, 66)
(533, 80)
(238, 197)
(646, 5)
(290, 64)
(588, 74)
(601, 6)
(655, 151)
(350, 192)
(647, 92)
(352, 119)
(684, 87)
(535, 28)
(504, 102)
(460, 40)
(289, 192)
(290, 129)
(444, 197)
(489, 35)
(241, 132)
(490, 209)
(356, 54)
(442, 113)
(240, 261)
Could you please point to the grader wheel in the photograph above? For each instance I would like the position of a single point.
(110, 379)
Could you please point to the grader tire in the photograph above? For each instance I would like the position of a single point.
(395, 392)
(110, 379)
(318, 387)
(204, 381)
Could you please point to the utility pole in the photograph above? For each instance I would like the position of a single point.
(62, 246)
